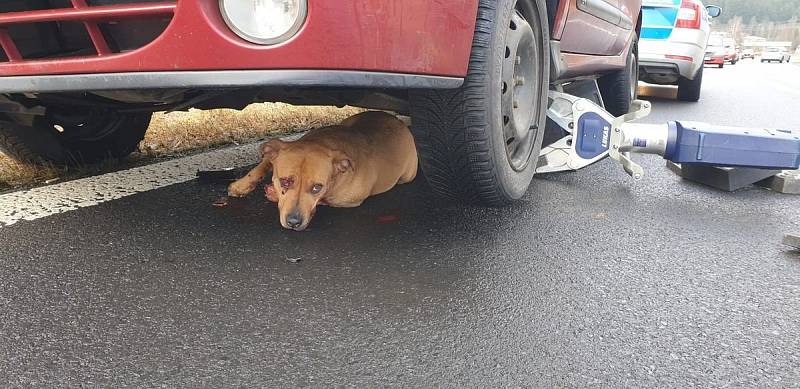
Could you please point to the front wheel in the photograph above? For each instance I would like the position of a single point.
(619, 87)
(689, 90)
(722, 65)
(480, 143)
(74, 136)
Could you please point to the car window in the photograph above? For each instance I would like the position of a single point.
(715, 42)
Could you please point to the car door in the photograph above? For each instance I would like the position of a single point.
(631, 9)
(598, 27)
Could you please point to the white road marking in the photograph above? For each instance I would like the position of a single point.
(49, 200)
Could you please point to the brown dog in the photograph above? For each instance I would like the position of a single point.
(340, 166)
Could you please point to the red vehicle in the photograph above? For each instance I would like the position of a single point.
(715, 52)
(79, 78)
(713, 59)
(731, 51)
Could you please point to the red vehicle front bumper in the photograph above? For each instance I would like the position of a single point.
(410, 37)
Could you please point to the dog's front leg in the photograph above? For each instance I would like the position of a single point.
(243, 186)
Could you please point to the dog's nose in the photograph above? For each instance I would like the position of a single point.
(293, 220)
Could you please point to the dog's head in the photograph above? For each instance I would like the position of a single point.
(302, 175)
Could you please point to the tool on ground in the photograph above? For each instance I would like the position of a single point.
(593, 134)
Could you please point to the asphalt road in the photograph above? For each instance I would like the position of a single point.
(592, 280)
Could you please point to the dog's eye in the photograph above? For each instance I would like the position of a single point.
(316, 188)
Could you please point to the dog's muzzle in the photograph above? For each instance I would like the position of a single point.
(294, 220)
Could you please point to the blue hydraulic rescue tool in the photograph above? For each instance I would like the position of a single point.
(593, 134)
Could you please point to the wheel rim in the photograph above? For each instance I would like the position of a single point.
(83, 126)
(522, 82)
(634, 74)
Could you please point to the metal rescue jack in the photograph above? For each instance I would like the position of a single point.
(594, 134)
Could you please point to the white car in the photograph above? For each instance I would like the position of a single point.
(672, 46)
(775, 54)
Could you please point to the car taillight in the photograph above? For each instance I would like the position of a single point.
(689, 15)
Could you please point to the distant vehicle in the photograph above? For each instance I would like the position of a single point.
(673, 44)
(748, 53)
(731, 51)
(715, 52)
(775, 54)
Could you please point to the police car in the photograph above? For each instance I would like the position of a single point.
(673, 42)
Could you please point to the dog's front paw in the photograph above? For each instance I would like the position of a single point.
(270, 193)
(240, 188)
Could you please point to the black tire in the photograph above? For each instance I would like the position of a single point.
(722, 65)
(24, 144)
(79, 137)
(474, 146)
(689, 90)
(619, 88)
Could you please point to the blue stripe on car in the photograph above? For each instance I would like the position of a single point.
(661, 3)
(658, 22)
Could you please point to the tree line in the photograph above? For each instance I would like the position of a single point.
(758, 11)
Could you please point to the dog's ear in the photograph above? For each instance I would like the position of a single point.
(342, 163)
(269, 150)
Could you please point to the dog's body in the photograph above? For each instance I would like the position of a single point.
(340, 166)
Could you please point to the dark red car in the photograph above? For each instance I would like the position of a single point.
(715, 52)
(79, 78)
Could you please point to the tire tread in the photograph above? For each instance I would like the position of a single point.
(689, 90)
(450, 128)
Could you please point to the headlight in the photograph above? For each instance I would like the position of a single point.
(264, 22)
